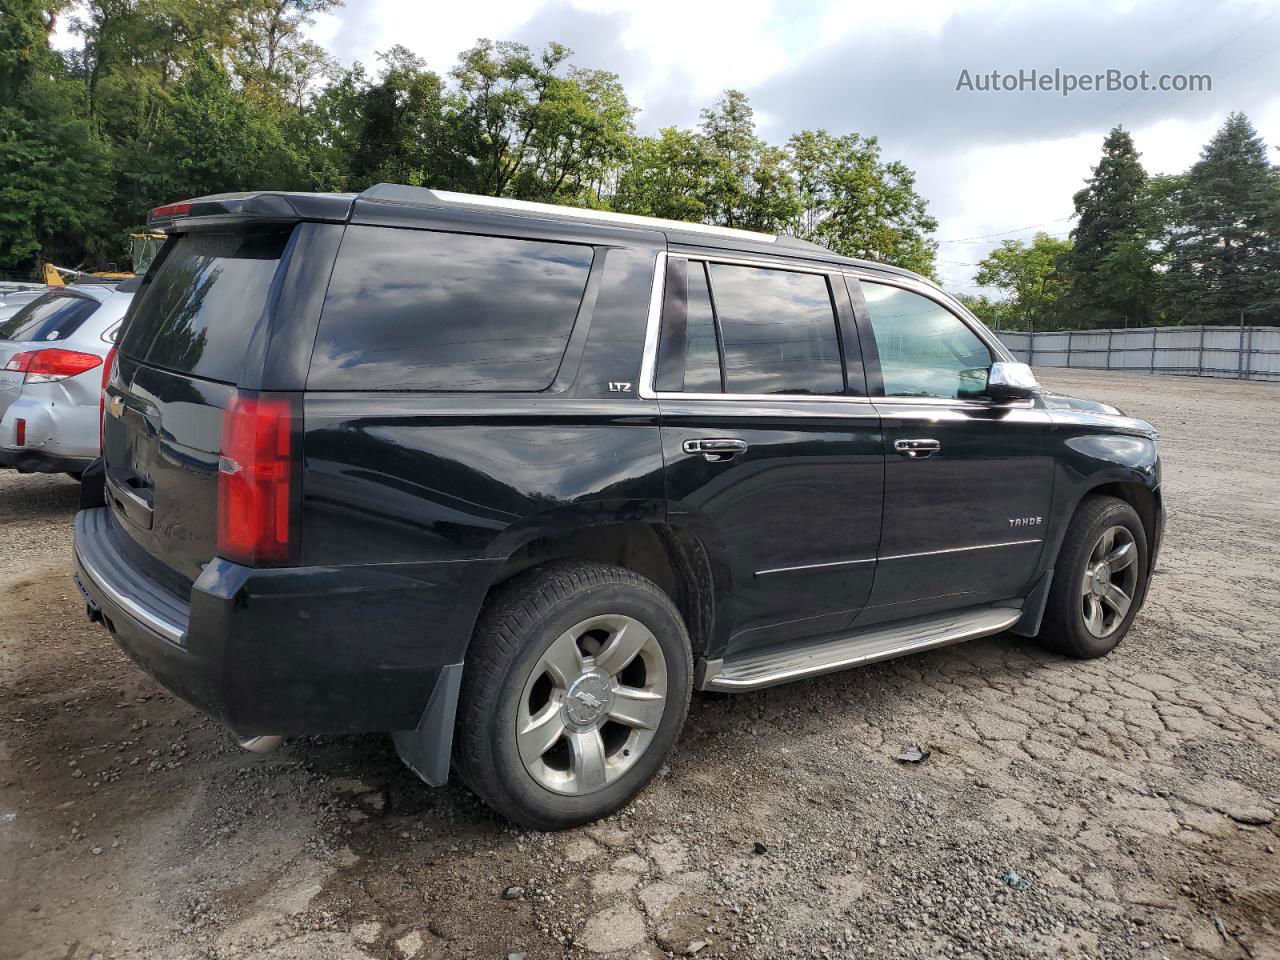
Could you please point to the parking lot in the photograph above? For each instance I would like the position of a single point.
(1124, 807)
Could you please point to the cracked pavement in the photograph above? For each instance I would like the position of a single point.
(1123, 807)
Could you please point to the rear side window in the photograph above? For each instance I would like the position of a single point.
(765, 331)
(200, 308)
(48, 318)
(421, 310)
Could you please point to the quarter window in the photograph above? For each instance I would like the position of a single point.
(925, 349)
(420, 310)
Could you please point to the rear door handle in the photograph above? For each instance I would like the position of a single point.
(917, 449)
(722, 448)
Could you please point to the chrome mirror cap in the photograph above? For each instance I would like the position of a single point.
(1011, 381)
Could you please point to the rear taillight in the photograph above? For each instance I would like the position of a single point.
(51, 365)
(107, 369)
(258, 479)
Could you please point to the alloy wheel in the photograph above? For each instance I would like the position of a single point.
(1110, 581)
(592, 704)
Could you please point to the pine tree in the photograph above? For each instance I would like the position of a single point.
(1225, 251)
(1108, 267)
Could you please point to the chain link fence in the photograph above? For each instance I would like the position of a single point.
(1240, 352)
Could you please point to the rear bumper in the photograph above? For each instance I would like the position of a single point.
(291, 651)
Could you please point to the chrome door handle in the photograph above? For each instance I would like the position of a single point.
(916, 449)
(724, 448)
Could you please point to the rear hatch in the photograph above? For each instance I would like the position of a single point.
(40, 325)
(182, 353)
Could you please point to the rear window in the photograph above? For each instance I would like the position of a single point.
(199, 309)
(48, 318)
(421, 310)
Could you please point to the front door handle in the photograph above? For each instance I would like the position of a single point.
(723, 448)
(917, 449)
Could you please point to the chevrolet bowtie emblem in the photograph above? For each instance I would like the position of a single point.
(116, 406)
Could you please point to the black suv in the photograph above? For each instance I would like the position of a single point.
(511, 480)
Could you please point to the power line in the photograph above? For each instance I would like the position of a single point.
(1001, 233)
(1199, 59)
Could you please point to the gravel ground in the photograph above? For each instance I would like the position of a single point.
(1117, 808)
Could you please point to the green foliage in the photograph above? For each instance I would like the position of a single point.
(1224, 247)
(857, 205)
(1032, 278)
(170, 99)
(1110, 267)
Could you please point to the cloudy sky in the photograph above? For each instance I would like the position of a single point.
(989, 163)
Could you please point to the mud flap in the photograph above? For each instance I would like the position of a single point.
(425, 750)
(1033, 607)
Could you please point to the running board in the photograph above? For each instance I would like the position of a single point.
(881, 642)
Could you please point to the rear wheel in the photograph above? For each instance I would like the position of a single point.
(1099, 580)
(575, 689)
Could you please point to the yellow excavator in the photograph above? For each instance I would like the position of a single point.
(143, 248)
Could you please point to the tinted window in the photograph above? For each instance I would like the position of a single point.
(925, 349)
(689, 354)
(48, 318)
(778, 330)
(199, 310)
(419, 310)
(702, 352)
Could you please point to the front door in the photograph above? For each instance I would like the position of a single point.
(773, 453)
(968, 481)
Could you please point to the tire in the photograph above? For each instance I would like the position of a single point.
(521, 671)
(1083, 618)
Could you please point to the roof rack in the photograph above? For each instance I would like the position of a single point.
(398, 193)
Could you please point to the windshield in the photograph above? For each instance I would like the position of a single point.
(49, 318)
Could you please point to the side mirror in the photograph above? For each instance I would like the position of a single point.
(1011, 381)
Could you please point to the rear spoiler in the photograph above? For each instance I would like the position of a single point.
(264, 207)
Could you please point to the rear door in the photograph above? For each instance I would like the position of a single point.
(968, 482)
(181, 354)
(773, 454)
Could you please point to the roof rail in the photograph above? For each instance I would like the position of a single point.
(397, 193)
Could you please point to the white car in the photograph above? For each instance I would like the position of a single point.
(52, 356)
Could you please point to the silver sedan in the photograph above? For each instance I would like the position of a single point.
(52, 356)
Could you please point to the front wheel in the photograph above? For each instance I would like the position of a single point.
(1099, 580)
(574, 692)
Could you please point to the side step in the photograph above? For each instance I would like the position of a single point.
(880, 642)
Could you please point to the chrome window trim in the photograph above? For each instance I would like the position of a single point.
(942, 299)
(653, 326)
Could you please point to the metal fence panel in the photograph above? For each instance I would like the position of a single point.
(1241, 352)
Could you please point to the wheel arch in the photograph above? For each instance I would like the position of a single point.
(675, 558)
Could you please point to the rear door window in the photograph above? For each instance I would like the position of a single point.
(757, 329)
(49, 318)
(424, 310)
(201, 307)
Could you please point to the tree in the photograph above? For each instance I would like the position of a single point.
(524, 125)
(855, 204)
(666, 176)
(1031, 277)
(400, 120)
(991, 312)
(1110, 266)
(1225, 249)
